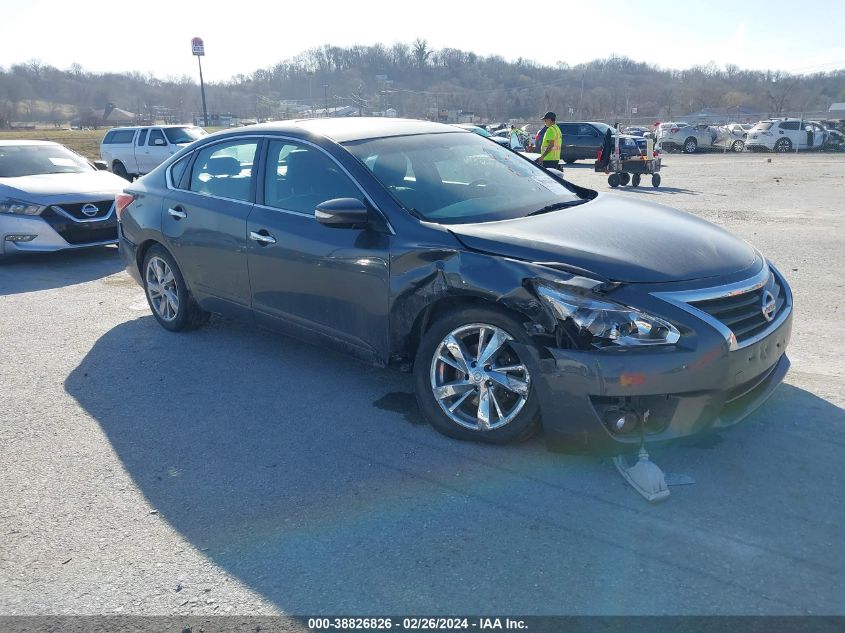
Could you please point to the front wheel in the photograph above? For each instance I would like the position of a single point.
(655, 180)
(471, 382)
(690, 145)
(738, 146)
(613, 180)
(167, 295)
(624, 178)
(635, 180)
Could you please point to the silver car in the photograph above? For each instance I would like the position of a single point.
(53, 199)
(684, 136)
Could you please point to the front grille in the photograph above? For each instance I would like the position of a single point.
(743, 313)
(75, 209)
(77, 233)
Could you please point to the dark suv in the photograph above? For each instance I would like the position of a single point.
(583, 140)
(512, 294)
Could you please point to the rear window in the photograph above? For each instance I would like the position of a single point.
(763, 125)
(119, 136)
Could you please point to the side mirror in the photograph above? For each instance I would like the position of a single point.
(159, 142)
(101, 165)
(343, 213)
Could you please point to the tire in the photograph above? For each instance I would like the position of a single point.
(569, 161)
(613, 180)
(510, 416)
(738, 146)
(635, 180)
(119, 169)
(655, 180)
(173, 307)
(624, 178)
(690, 145)
(783, 145)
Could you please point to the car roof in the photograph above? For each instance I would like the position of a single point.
(343, 130)
(137, 127)
(6, 143)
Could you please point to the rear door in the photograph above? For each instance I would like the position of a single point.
(204, 220)
(569, 143)
(306, 278)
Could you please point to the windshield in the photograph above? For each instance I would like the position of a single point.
(30, 160)
(456, 178)
(177, 135)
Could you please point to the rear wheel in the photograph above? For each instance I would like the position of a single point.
(738, 146)
(624, 178)
(167, 295)
(783, 145)
(120, 170)
(655, 180)
(635, 180)
(690, 145)
(470, 380)
(613, 180)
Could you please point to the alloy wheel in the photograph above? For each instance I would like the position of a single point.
(478, 379)
(162, 290)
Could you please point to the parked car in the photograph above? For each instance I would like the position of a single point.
(582, 140)
(785, 135)
(511, 293)
(637, 130)
(52, 199)
(689, 138)
(134, 151)
(475, 129)
(732, 136)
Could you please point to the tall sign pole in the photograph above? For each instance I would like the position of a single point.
(198, 49)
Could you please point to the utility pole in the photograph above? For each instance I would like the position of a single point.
(326, 91)
(198, 49)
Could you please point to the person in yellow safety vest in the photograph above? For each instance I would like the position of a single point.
(551, 144)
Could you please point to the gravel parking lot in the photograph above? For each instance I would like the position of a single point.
(233, 471)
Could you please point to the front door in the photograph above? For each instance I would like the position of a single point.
(322, 282)
(154, 152)
(205, 223)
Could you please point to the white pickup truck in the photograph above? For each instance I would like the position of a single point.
(134, 151)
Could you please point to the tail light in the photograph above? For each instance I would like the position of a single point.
(656, 153)
(121, 201)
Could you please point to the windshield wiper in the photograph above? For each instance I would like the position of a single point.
(556, 206)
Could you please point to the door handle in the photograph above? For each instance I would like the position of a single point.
(261, 238)
(177, 213)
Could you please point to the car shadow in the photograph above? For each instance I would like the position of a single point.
(29, 272)
(309, 478)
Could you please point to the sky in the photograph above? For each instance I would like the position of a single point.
(153, 36)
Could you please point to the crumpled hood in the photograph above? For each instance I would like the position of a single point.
(617, 238)
(56, 188)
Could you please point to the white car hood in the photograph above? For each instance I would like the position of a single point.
(54, 188)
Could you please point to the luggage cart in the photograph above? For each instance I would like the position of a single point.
(622, 171)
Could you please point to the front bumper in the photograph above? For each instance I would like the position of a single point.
(48, 238)
(684, 391)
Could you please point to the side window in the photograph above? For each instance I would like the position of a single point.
(568, 129)
(299, 177)
(789, 125)
(177, 170)
(119, 136)
(155, 135)
(142, 137)
(224, 170)
(107, 139)
(585, 130)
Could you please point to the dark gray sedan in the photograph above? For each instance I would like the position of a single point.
(514, 296)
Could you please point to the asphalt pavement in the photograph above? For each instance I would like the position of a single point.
(235, 471)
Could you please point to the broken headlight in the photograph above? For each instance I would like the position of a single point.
(608, 322)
